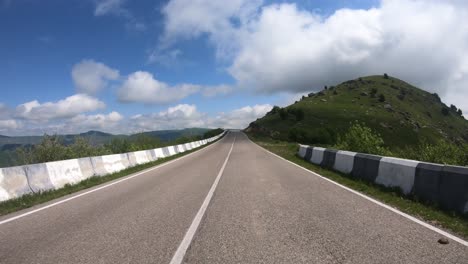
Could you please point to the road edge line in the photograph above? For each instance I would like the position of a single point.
(407, 216)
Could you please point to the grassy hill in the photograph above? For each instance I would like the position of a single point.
(402, 114)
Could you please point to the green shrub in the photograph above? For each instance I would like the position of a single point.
(381, 98)
(442, 152)
(360, 138)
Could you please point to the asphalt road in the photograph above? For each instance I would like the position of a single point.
(263, 210)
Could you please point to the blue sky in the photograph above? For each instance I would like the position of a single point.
(127, 66)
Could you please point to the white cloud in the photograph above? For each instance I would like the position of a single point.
(281, 48)
(212, 91)
(105, 7)
(116, 8)
(192, 18)
(9, 124)
(141, 87)
(108, 123)
(65, 108)
(242, 117)
(186, 116)
(90, 76)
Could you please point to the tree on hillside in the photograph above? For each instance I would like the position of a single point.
(385, 76)
(381, 98)
(445, 111)
(453, 108)
(459, 112)
(283, 114)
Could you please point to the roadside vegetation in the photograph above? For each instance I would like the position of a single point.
(360, 138)
(450, 221)
(33, 199)
(53, 147)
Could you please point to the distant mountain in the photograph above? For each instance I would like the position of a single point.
(168, 135)
(403, 114)
(2, 136)
(99, 138)
(92, 133)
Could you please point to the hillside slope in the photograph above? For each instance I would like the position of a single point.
(403, 114)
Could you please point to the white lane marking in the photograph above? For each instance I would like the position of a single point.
(102, 187)
(187, 240)
(433, 228)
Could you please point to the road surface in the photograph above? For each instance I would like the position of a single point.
(262, 210)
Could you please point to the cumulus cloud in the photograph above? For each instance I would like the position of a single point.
(281, 48)
(90, 76)
(142, 87)
(8, 124)
(186, 116)
(102, 122)
(65, 108)
(241, 118)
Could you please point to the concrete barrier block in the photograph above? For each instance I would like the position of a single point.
(317, 155)
(132, 159)
(308, 155)
(180, 148)
(302, 150)
(110, 163)
(328, 160)
(141, 157)
(166, 152)
(188, 146)
(13, 183)
(86, 167)
(64, 172)
(427, 181)
(192, 144)
(159, 153)
(38, 177)
(171, 150)
(151, 155)
(394, 172)
(366, 166)
(453, 188)
(344, 161)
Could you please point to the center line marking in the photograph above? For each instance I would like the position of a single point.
(184, 245)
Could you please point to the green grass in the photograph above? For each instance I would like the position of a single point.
(33, 199)
(450, 221)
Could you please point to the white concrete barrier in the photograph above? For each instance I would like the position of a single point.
(317, 155)
(141, 157)
(159, 153)
(394, 172)
(302, 150)
(86, 167)
(188, 146)
(13, 183)
(171, 150)
(38, 177)
(64, 172)
(344, 161)
(110, 163)
(180, 148)
(17, 181)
